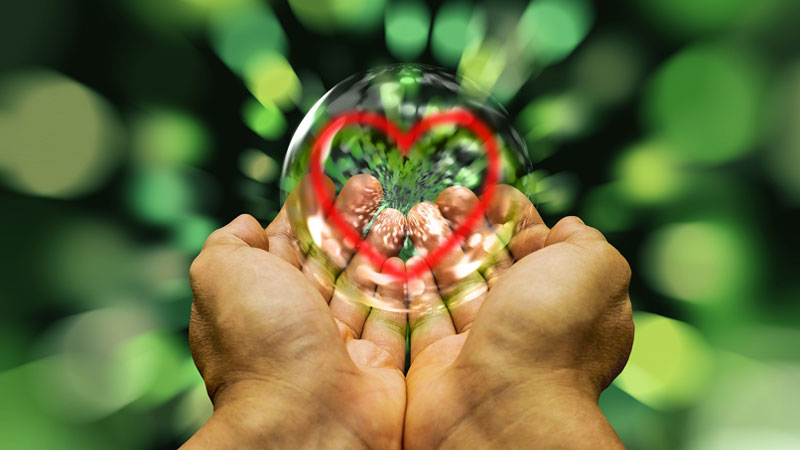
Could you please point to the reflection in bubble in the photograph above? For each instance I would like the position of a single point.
(404, 94)
(415, 131)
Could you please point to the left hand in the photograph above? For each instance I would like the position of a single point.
(531, 325)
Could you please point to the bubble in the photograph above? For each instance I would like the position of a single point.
(405, 94)
(418, 130)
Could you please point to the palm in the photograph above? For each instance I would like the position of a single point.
(254, 313)
(299, 297)
(545, 305)
(444, 311)
(375, 338)
(364, 347)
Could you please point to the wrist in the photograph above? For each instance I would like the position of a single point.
(557, 409)
(255, 415)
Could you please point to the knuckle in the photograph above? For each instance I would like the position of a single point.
(245, 219)
(610, 255)
(620, 263)
(612, 263)
(215, 236)
(197, 267)
(200, 267)
(509, 191)
(595, 233)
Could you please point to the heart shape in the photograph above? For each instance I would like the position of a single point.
(405, 140)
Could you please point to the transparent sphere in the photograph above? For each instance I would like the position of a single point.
(417, 130)
(405, 94)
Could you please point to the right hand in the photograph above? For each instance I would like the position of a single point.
(290, 356)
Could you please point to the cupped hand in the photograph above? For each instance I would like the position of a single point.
(513, 336)
(290, 355)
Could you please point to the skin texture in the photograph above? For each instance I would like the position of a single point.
(280, 370)
(512, 337)
(548, 327)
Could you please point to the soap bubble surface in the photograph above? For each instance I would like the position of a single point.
(445, 155)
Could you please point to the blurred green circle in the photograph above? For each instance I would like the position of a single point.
(649, 173)
(58, 138)
(170, 137)
(242, 34)
(670, 365)
(707, 102)
(161, 196)
(552, 29)
(701, 262)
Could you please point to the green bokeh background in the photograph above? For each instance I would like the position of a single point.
(129, 130)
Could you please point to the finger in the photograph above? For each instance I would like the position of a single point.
(282, 240)
(615, 267)
(483, 244)
(462, 288)
(357, 202)
(387, 328)
(516, 220)
(510, 206)
(353, 294)
(572, 229)
(428, 318)
(243, 230)
(289, 234)
(528, 241)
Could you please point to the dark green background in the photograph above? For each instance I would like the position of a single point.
(131, 129)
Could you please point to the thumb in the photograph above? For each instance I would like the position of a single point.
(242, 231)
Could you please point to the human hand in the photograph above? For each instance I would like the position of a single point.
(282, 367)
(527, 342)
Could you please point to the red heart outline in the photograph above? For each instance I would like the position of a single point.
(405, 140)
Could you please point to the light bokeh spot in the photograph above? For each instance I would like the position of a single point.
(751, 404)
(556, 116)
(454, 28)
(90, 263)
(169, 137)
(551, 119)
(608, 68)
(265, 119)
(27, 426)
(407, 26)
(161, 195)
(555, 194)
(670, 366)
(58, 138)
(191, 232)
(482, 63)
(95, 367)
(328, 16)
(702, 262)
(242, 34)
(358, 16)
(272, 80)
(707, 103)
(649, 172)
(551, 29)
(258, 165)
